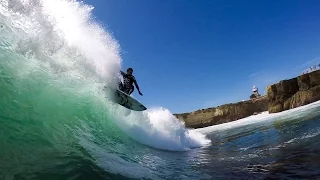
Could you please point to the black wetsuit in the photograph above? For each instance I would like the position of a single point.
(127, 85)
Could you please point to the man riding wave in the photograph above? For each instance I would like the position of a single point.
(128, 81)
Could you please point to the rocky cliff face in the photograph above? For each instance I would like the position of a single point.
(224, 113)
(286, 94)
(295, 92)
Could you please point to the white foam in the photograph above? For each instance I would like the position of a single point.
(60, 38)
(157, 127)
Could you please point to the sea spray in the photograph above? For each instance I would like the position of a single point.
(60, 39)
(157, 127)
(57, 123)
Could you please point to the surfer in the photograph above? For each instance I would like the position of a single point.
(128, 80)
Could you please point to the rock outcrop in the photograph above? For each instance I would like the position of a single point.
(286, 94)
(224, 113)
(254, 96)
(295, 92)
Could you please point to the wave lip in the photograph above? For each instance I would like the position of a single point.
(61, 39)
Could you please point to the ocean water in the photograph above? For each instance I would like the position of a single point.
(57, 122)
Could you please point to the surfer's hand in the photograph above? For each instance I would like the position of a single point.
(140, 93)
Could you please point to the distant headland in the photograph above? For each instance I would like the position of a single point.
(281, 96)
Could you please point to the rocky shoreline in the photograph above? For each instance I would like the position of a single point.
(284, 95)
(295, 92)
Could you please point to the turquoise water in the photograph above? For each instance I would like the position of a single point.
(57, 121)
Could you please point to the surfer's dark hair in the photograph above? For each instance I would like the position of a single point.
(129, 69)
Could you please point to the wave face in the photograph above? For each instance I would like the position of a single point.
(57, 122)
(56, 118)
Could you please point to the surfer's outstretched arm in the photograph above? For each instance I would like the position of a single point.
(122, 73)
(137, 86)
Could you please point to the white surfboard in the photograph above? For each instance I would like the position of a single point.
(126, 100)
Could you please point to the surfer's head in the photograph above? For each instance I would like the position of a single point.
(129, 71)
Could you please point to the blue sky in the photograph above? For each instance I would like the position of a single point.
(196, 54)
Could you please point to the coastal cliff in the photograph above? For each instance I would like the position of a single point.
(224, 113)
(295, 92)
(285, 95)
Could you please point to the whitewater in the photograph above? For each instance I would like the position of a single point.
(57, 120)
(60, 39)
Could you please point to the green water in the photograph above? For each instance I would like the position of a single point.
(46, 126)
(56, 120)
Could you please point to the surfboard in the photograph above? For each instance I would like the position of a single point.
(126, 100)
